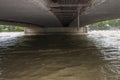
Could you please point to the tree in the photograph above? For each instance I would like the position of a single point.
(106, 24)
(9, 28)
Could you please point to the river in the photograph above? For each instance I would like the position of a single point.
(92, 56)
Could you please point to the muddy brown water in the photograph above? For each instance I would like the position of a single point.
(92, 56)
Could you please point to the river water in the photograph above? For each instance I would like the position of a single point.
(92, 56)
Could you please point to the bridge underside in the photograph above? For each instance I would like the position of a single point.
(57, 13)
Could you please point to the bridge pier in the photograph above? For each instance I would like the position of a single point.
(39, 30)
(83, 29)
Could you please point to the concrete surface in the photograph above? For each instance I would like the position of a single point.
(37, 12)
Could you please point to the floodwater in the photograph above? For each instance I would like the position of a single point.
(92, 56)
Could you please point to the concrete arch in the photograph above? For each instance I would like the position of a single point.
(109, 9)
(28, 11)
(106, 10)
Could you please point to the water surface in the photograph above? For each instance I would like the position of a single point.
(92, 56)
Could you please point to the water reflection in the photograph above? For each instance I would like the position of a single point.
(108, 43)
(60, 57)
(9, 39)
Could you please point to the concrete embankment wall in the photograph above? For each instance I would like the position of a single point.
(39, 30)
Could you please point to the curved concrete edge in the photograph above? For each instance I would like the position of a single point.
(21, 24)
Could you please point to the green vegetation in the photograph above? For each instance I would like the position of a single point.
(9, 28)
(106, 25)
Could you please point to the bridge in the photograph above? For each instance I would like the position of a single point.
(57, 15)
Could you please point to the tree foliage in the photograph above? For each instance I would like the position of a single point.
(106, 24)
(9, 28)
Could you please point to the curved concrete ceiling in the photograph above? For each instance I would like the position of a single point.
(108, 9)
(38, 12)
(33, 12)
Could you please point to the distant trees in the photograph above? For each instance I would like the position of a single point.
(9, 28)
(106, 25)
